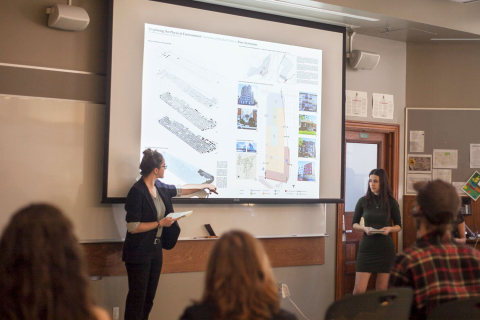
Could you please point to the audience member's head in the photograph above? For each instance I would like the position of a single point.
(239, 279)
(42, 273)
(438, 204)
(433, 265)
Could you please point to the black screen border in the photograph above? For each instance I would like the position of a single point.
(242, 13)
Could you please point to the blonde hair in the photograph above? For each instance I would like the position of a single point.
(239, 279)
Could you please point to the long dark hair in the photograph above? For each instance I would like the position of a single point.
(239, 280)
(385, 193)
(42, 272)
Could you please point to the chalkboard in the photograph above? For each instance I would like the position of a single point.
(445, 129)
(52, 151)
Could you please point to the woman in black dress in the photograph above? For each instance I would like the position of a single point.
(239, 283)
(377, 251)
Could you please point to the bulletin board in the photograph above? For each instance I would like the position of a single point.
(449, 129)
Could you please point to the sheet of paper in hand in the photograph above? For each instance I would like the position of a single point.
(176, 215)
(373, 230)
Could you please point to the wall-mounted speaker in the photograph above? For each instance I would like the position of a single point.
(364, 59)
(68, 17)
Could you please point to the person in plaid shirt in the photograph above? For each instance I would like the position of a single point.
(436, 267)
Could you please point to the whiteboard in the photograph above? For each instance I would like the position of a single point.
(52, 151)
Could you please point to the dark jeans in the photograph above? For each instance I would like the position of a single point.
(142, 286)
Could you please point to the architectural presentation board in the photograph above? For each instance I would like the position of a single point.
(448, 134)
(236, 123)
(243, 103)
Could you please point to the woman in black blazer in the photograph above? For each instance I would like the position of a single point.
(149, 229)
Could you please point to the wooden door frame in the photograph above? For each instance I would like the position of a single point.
(392, 168)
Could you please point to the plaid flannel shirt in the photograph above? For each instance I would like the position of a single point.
(438, 270)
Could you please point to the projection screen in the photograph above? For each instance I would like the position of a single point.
(250, 102)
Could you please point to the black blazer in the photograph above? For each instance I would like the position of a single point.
(139, 247)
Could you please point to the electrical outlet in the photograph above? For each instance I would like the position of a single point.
(285, 292)
(116, 313)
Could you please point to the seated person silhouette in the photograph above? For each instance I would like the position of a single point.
(436, 267)
(42, 272)
(239, 283)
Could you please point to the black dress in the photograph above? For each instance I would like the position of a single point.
(455, 225)
(204, 311)
(377, 251)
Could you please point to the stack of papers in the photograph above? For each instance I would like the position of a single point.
(176, 215)
(373, 230)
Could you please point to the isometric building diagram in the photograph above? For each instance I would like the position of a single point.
(189, 113)
(192, 67)
(197, 142)
(189, 89)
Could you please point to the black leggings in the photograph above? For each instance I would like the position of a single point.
(142, 286)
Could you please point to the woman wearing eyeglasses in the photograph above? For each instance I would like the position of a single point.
(149, 229)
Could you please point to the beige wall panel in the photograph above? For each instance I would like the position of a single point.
(52, 84)
(52, 151)
(25, 38)
(443, 75)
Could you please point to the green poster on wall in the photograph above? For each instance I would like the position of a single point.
(472, 187)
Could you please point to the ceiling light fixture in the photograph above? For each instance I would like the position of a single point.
(300, 6)
(455, 39)
(423, 31)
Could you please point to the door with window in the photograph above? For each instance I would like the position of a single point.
(367, 146)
